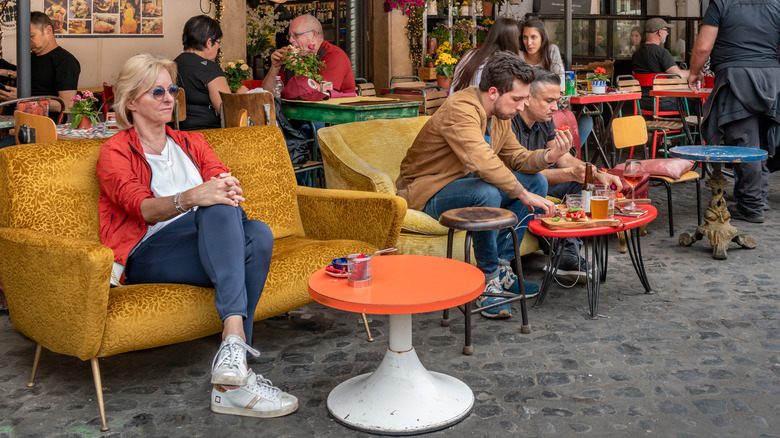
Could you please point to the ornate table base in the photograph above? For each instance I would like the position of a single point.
(717, 222)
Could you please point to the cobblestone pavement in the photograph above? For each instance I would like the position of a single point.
(701, 358)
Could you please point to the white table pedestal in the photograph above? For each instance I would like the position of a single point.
(401, 397)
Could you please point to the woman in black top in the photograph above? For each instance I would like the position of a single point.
(201, 77)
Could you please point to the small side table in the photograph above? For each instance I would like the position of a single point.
(596, 239)
(717, 220)
(401, 397)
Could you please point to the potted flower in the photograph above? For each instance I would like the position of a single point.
(85, 113)
(445, 66)
(303, 63)
(600, 76)
(235, 73)
(429, 61)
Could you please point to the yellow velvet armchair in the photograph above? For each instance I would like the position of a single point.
(56, 272)
(367, 156)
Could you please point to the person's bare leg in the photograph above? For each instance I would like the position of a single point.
(233, 325)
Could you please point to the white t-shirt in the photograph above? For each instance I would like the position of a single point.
(555, 57)
(172, 172)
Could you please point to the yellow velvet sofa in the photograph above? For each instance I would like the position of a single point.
(56, 272)
(367, 156)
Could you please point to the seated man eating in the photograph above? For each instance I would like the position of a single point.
(535, 129)
(453, 164)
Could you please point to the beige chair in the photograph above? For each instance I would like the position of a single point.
(367, 156)
(259, 107)
(27, 125)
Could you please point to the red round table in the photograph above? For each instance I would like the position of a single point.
(596, 238)
(401, 397)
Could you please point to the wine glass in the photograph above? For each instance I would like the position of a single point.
(632, 173)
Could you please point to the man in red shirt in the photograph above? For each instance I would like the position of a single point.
(306, 34)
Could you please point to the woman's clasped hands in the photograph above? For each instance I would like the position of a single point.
(222, 189)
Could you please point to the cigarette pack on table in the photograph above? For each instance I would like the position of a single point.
(326, 86)
(111, 122)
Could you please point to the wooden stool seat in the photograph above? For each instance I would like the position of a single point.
(478, 218)
(474, 219)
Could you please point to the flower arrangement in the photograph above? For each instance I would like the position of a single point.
(303, 63)
(262, 25)
(483, 29)
(599, 74)
(406, 6)
(235, 72)
(445, 64)
(83, 106)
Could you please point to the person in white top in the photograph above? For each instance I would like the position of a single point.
(504, 35)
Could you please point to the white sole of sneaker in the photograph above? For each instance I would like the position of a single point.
(231, 410)
(222, 379)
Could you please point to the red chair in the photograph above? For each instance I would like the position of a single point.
(108, 99)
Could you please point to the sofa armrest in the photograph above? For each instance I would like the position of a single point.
(345, 170)
(57, 289)
(346, 214)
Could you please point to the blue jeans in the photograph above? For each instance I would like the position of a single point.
(216, 247)
(489, 246)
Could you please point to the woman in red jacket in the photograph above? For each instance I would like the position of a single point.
(169, 209)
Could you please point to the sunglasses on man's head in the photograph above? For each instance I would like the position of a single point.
(159, 92)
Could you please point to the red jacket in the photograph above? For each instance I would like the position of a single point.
(125, 179)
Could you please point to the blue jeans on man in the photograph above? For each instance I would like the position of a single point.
(489, 246)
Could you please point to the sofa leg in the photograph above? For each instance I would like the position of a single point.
(368, 330)
(38, 349)
(99, 391)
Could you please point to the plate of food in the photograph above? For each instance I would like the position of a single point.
(57, 13)
(152, 26)
(336, 272)
(79, 9)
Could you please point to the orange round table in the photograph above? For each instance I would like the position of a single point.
(596, 238)
(401, 397)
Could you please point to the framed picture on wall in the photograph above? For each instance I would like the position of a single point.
(106, 18)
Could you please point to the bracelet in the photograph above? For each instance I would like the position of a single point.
(177, 203)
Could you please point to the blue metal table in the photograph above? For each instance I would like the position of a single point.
(717, 220)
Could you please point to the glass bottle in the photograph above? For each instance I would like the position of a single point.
(587, 188)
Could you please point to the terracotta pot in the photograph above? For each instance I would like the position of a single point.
(429, 65)
(443, 82)
(84, 123)
(433, 44)
(487, 9)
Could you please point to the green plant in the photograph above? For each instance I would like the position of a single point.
(303, 63)
(262, 25)
(83, 106)
(428, 58)
(235, 73)
(440, 32)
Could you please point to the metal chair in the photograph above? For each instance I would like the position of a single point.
(38, 105)
(631, 131)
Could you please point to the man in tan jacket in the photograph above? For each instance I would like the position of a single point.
(452, 164)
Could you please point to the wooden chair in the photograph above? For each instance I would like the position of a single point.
(243, 118)
(632, 131)
(260, 108)
(33, 128)
(364, 88)
(179, 109)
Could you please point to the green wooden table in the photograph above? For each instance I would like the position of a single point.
(349, 109)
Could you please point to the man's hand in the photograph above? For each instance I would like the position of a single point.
(559, 146)
(609, 179)
(577, 172)
(8, 94)
(694, 81)
(277, 58)
(531, 200)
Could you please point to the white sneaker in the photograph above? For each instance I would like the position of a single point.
(229, 366)
(256, 399)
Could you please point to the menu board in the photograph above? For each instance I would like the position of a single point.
(125, 18)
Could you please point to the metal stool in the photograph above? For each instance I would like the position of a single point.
(472, 219)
